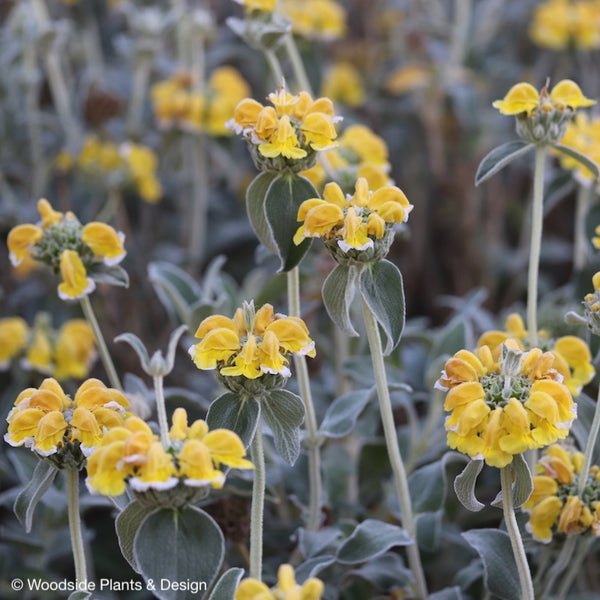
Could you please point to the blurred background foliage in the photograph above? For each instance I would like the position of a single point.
(423, 75)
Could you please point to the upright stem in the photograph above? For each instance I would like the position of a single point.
(590, 446)
(75, 524)
(515, 537)
(297, 64)
(535, 244)
(563, 560)
(580, 241)
(88, 311)
(161, 411)
(199, 201)
(393, 449)
(258, 504)
(575, 566)
(312, 440)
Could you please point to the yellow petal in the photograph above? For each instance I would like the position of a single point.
(522, 97)
(104, 241)
(20, 240)
(75, 283)
(567, 93)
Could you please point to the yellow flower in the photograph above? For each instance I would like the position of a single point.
(286, 589)
(74, 350)
(75, 283)
(21, 240)
(13, 338)
(132, 453)
(104, 242)
(262, 5)
(572, 357)
(46, 420)
(252, 344)
(283, 141)
(39, 352)
(567, 94)
(583, 135)
(522, 97)
(142, 163)
(543, 517)
(343, 83)
(320, 19)
(408, 78)
(500, 409)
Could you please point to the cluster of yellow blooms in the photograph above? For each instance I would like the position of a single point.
(121, 165)
(289, 133)
(71, 249)
(286, 589)
(132, 453)
(68, 352)
(313, 19)
(555, 505)
(252, 344)
(505, 407)
(355, 224)
(178, 104)
(359, 153)
(343, 83)
(543, 116)
(46, 420)
(572, 356)
(582, 134)
(563, 24)
(591, 303)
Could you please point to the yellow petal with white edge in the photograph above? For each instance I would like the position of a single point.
(226, 447)
(75, 282)
(464, 393)
(214, 322)
(23, 425)
(104, 241)
(50, 432)
(20, 240)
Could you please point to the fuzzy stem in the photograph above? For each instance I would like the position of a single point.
(391, 440)
(141, 77)
(537, 216)
(460, 32)
(312, 439)
(580, 241)
(590, 447)
(88, 311)
(258, 504)
(161, 411)
(274, 65)
(297, 64)
(515, 537)
(199, 201)
(75, 524)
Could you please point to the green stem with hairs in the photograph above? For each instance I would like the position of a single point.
(75, 524)
(109, 366)
(161, 411)
(312, 440)
(258, 505)
(535, 244)
(516, 542)
(393, 449)
(580, 241)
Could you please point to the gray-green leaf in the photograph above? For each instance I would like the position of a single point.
(522, 485)
(499, 157)
(284, 412)
(382, 289)
(127, 524)
(256, 195)
(25, 503)
(113, 275)
(342, 414)
(581, 158)
(225, 588)
(230, 412)
(338, 292)
(191, 549)
(370, 539)
(500, 569)
(464, 485)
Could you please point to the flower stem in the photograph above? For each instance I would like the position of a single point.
(297, 64)
(258, 504)
(563, 560)
(580, 241)
(88, 311)
(312, 439)
(196, 150)
(393, 449)
(75, 524)
(161, 411)
(515, 537)
(535, 244)
(590, 447)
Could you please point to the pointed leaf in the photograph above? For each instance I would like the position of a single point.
(113, 275)
(522, 485)
(185, 535)
(427, 487)
(338, 292)
(283, 412)
(256, 195)
(464, 485)
(230, 412)
(499, 157)
(581, 158)
(127, 524)
(284, 197)
(370, 539)
(342, 414)
(382, 289)
(137, 344)
(225, 588)
(25, 503)
(500, 569)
